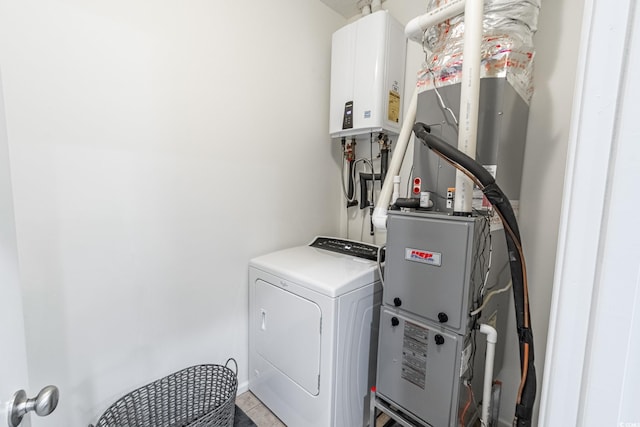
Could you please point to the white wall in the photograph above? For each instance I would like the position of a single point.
(544, 167)
(155, 148)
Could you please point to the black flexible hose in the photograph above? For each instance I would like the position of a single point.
(351, 186)
(384, 163)
(527, 392)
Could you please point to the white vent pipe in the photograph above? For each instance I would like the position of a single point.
(492, 339)
(396, 189)
(469, 99)
(417, 26)
(379, 216)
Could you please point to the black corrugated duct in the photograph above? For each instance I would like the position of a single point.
(483, 179)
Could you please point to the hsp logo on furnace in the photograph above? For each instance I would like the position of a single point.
(423, 256)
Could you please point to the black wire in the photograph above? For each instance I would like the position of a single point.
(474, 345)
(527, 393)
(477, 275)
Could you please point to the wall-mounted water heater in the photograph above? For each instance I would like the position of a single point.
(367, 76)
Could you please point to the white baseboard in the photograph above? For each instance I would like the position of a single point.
(243, 387)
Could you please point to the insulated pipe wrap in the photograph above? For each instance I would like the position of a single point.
(507, 44)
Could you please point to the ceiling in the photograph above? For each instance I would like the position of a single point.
(347, 8)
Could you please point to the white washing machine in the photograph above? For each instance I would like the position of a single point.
(313, 331)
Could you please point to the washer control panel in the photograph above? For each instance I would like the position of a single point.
(346, 247)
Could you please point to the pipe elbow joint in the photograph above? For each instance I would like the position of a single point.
(379, 218)
(490, 332)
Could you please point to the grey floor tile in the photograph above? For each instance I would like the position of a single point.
(263, 417)
(247, 401)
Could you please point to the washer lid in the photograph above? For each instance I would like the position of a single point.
(330, 273)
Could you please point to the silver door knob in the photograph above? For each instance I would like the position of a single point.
(43, 404)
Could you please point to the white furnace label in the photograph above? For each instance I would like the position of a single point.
(423, 256)
(414, 354)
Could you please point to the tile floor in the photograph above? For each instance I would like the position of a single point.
(259, 414)
(262, 416)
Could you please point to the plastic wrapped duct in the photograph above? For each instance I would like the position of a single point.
(507, 45)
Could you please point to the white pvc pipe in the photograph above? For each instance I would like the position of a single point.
(492, 339)
(396, 189)
(416, 27)
(469, 99)
(379, 216)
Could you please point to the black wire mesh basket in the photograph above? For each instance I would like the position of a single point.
(199, 396)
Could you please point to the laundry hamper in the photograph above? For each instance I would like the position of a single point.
(199, 396)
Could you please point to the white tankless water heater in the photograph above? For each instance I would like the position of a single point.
(367, 76)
